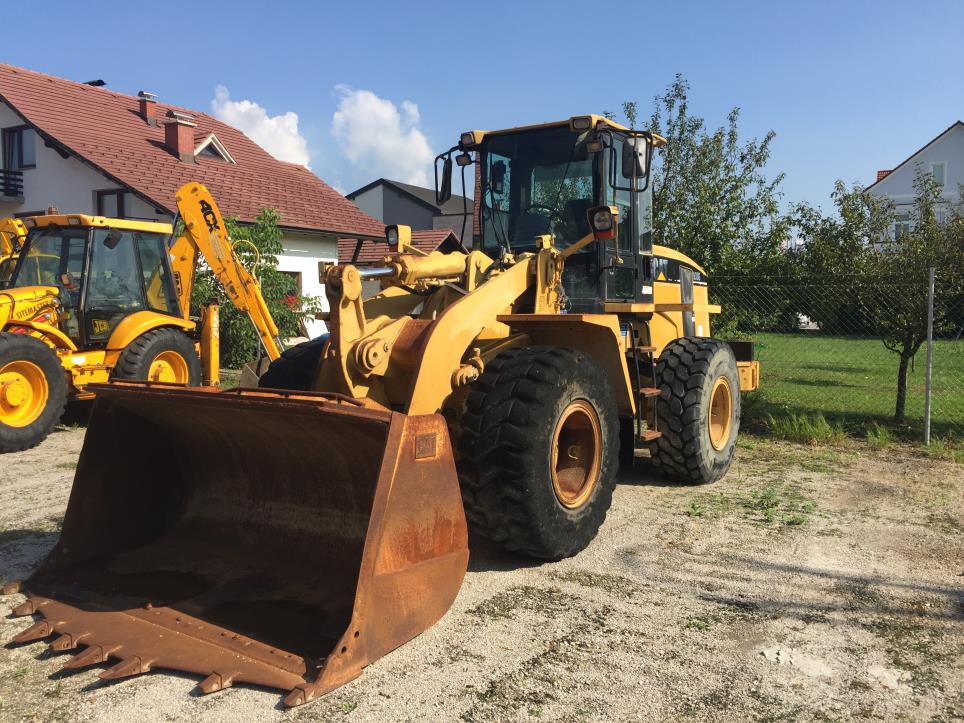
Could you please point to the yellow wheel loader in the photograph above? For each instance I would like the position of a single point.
(88, 299)
(288, 536)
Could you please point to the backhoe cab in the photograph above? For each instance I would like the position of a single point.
(295, 533)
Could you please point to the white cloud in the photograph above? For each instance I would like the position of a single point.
(278, 134)
(379, 138)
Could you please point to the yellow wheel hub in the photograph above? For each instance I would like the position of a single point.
(23, 393)
(576, 454)
(169, 366)
(720, 413)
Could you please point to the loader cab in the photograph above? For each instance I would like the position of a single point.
(104, 270)
(545, 179)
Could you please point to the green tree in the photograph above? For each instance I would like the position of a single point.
(239, 343)
(878, 280)
(711, 196)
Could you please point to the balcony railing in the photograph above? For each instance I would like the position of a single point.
(11, 183)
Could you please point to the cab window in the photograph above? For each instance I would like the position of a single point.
(53, 256)
(158, 285)
(114, 290)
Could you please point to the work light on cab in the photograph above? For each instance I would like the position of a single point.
(399, 237)
(580, 123)
(602, 220)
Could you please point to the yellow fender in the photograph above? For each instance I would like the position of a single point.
(142, 322)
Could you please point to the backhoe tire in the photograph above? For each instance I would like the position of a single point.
(517, 492)
(160, 355)
(698, 410)
(33, 392)
(295, 369)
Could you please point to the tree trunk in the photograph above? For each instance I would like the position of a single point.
(901, 387)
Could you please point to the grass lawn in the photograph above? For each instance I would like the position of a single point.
(854, 381)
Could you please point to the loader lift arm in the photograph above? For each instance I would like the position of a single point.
(206, 235)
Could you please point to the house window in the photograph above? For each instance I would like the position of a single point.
(939, 173)
(111, 204)
(19, 148)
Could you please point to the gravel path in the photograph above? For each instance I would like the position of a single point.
(809, 584)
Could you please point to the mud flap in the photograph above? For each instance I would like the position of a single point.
(279, 539)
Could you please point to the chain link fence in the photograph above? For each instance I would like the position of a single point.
(851, 349)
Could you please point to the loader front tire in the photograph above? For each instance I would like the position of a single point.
(33, 392)
(698, 410)
(295, 369)
(538, 451)
(160, 355)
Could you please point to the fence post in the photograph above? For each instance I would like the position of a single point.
(930, 356)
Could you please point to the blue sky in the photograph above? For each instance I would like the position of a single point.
(849, 87)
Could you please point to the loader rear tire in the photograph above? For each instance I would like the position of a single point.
(33, 392)
(160, 355)
(295, 369)
(698, 410)
(539, 451)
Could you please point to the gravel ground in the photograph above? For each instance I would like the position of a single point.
(810, 584)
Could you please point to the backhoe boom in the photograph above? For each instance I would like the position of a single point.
(205, 234)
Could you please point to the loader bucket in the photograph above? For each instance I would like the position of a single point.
(278, 539)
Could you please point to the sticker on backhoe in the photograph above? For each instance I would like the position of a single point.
(100, 326)
(661, 277)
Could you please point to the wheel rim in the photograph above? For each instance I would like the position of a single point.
(23, 393)
(576, 454)
(720, 414)
(169, 366)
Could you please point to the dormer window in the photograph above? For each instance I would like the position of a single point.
(211, 147)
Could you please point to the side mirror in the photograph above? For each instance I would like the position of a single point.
(497, 182)
(444, 191)
(635, 152)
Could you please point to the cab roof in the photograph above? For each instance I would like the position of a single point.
(596, 121)
(80, 219)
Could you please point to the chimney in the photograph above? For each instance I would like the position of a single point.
(147, 103)
(179, 135)
(881, 175)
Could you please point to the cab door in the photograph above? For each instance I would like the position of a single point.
(626, 261)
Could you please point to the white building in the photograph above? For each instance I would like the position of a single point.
(943, 158)
(91, 150)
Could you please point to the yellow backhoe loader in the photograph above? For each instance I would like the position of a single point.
(290, 535)
(89, 299)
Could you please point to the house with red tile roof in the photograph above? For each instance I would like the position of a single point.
(85, 148)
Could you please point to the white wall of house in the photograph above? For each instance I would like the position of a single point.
(945, 156)
(302, 254)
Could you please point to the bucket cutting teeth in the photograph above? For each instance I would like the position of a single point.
(37, 631)
(126, 668)
(91, 656)
(24, 609)
(66, 642)
(215, 682)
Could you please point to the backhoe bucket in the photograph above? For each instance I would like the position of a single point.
(278, 539)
